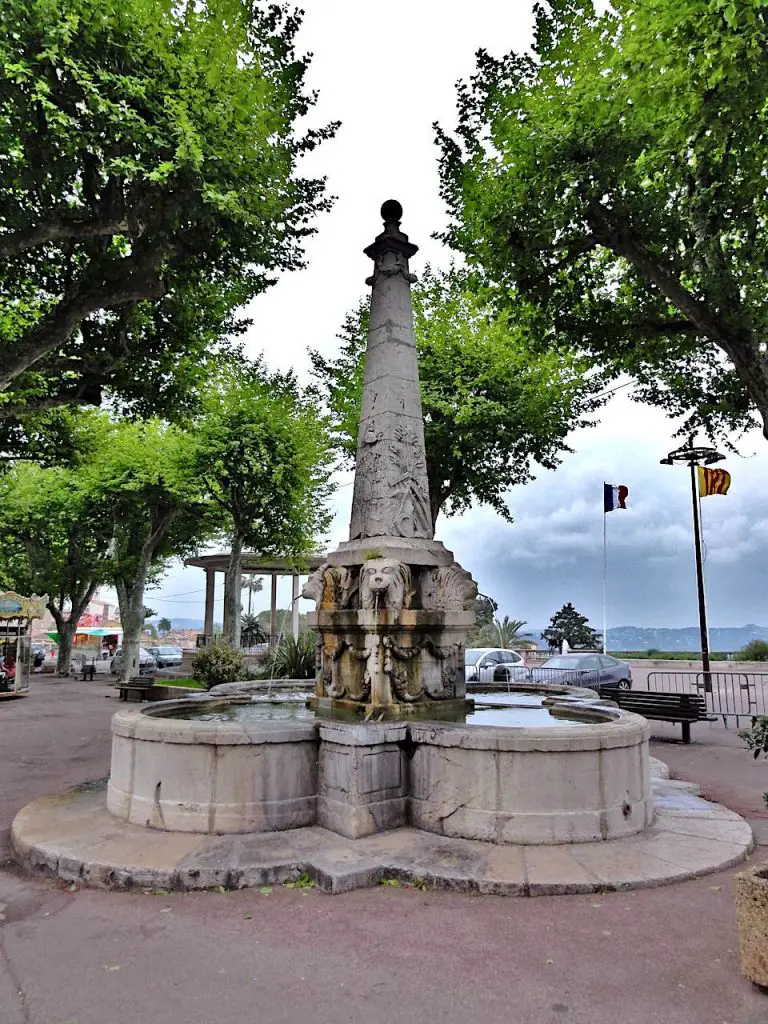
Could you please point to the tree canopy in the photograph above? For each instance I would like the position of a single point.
(145, 476)
(55, 539)
(573, 627)
(492, 405)
(263, 452)
(615, 179)
(149, 153)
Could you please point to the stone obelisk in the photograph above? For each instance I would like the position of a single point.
(393, 606)
(390, 504)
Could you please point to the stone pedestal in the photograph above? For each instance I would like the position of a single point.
(381, 657)
(362, 778)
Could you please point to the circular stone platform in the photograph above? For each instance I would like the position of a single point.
(75, 837)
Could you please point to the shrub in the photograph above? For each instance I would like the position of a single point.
(755, 650)
(294, 659)
(218, 662)
(756, 740)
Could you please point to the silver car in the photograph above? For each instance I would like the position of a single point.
(146, 662)
(167, 656)
(493, 664)
(588, 669)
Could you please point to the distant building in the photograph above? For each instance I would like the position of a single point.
(98, 612)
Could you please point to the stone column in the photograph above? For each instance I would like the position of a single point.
(273, 613)
(210, 592)
(391, 493)
(295, 606)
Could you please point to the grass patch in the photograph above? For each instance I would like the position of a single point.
(192, 683)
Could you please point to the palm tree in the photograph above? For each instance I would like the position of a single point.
(251, 631)
(254, 585)
(507, 632)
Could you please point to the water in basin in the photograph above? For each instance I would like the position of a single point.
(529, 714)
(513, 698)
(525, 718)
(257, 711)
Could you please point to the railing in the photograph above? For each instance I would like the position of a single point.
(551, 676)
(728, 694)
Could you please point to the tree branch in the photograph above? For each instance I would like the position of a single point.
(640, 328)
(55, 329)
(62, 229)
(737, 341)
(87, 391)
(623, 241)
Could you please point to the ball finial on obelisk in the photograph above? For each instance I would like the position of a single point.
(391, 213)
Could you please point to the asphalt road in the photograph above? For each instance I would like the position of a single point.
(295, 955)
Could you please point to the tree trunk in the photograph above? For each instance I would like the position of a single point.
(131, 599)
(233, 583)
(66, 628)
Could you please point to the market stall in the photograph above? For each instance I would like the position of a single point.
(92, 644)
(16, 615)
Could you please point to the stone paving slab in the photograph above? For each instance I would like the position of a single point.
(74, 836)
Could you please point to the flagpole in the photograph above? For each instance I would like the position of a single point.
(703, 630)
(605, 584)
(693, 456)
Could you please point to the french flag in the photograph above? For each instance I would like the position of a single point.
(614, 496)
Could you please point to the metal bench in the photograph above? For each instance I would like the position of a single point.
(138, 686)
(684, 708)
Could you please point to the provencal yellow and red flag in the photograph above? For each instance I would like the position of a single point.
(713, 481)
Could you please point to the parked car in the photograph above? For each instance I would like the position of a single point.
(37, 655)
(146, 662)
(166, 656)
(493, 664)
(591, 670)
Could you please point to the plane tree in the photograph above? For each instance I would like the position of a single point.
(494, 406)
(150, 187)
(263, 451)
(614, 178)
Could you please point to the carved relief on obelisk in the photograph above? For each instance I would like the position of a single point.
(391, 493)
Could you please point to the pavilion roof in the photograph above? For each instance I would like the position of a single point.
(256, 564)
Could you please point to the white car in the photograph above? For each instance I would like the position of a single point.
(489, 664)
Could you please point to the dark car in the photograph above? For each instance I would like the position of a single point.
(166, 656)
(591, 670)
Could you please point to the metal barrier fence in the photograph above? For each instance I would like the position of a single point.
(558, 676)
(728, 694)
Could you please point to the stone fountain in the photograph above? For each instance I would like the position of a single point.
(246, 790)
(392, 604)
(389, 737)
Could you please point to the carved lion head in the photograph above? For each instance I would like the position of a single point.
(387, 579)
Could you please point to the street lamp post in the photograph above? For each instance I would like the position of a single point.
(693, 457)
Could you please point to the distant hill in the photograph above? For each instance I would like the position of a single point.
(179, 623)
(620, 638)
(646, 638)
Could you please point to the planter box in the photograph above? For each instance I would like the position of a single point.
(752, 921)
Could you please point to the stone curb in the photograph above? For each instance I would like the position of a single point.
(72, 836)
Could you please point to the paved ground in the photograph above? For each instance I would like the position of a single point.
(90, 957)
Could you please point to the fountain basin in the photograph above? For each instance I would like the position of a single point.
(575, 784)
(578, 774)
(205, 776)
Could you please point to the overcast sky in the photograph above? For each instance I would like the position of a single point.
(388, 73)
